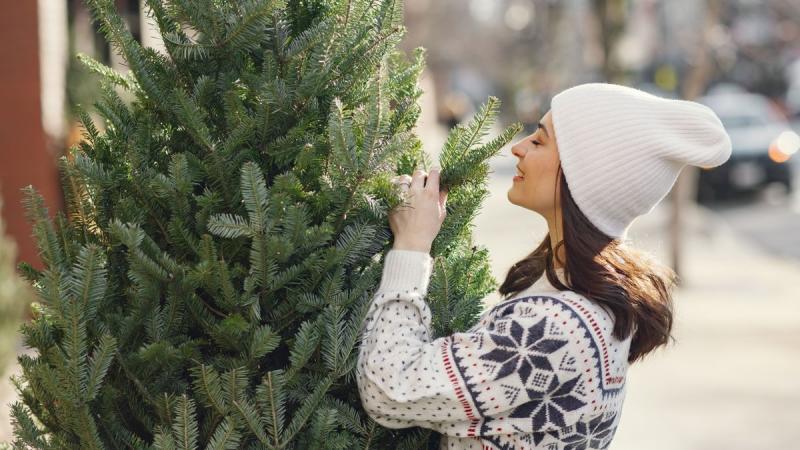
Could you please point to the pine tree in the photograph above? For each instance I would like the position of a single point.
(224, 234)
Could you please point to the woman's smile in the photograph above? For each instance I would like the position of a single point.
(519, 176)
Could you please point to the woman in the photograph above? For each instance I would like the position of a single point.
(545, 368)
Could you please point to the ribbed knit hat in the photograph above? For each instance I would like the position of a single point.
(622, 149)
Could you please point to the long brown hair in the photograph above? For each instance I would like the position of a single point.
(634, 286)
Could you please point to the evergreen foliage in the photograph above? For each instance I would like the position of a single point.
(207, 285)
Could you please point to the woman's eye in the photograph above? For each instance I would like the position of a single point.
(535, 142)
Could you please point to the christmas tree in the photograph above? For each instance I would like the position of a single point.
(224, 234)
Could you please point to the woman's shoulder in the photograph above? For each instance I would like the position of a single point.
(552, 302)
(587, 324)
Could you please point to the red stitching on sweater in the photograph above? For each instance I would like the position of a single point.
(451, 374)
(608, 378)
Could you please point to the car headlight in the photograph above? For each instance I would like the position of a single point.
(784, 146)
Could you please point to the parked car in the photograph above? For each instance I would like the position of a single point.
(793, 90)
(793, 94)
(762, 140)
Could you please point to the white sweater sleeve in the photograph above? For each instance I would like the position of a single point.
(505, 377)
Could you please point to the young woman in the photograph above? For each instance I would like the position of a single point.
(545, 368)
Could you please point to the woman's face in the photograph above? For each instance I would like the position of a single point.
(538, 161)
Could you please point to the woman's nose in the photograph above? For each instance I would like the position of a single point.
(516, 151)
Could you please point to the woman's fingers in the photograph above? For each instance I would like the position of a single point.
(418, 180)
(432, 184)
(403, 183)
(402, 179)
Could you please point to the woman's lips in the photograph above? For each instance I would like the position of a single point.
(519, 175)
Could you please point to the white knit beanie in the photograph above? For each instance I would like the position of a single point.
(622, 149)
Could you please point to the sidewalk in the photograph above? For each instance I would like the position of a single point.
(732, 378)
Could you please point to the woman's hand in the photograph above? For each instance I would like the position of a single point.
(416, 223)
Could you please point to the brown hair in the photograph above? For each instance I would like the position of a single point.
(634, 286)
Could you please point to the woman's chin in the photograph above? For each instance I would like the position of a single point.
(511, 196)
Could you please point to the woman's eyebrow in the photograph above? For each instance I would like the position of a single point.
(543, 129)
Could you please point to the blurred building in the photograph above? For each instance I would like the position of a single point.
(40, 89)
(32, 87)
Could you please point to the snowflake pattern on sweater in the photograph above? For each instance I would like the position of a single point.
(538, 371)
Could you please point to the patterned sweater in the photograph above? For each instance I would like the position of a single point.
(540, 370)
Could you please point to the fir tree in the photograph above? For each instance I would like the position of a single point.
(224, 234)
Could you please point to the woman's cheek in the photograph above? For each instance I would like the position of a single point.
(531, 179)
(530, 182)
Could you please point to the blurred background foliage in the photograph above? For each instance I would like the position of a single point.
(15, 296)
